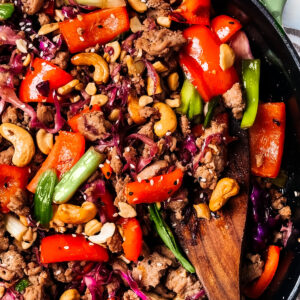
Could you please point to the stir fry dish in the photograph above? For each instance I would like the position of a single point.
(117, 120)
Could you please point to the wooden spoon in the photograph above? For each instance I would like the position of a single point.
(214, 246)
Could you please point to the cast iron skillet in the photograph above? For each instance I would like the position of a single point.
(280, 81)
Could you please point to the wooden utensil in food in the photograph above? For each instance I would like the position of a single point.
(214, 246)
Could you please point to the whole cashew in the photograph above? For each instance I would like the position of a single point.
(22, 142)
(168, 120)
(44, 141)
(225, 188)
(71, 294)
(101, 73)
(74, 214)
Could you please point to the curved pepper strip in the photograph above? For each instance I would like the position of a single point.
(66, 247)
(200, 60)
(67, 150)
(192, 12)
(43, 197)
(42, 72)
(133, 238)
(157, 189)
(225, 27)
(98, 27)
(255, 290)
(11, 179)
(267, 139)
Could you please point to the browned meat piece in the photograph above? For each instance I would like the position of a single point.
(4, 241)
(93, 125)
(62, 273)
(119, 265)
(45, 113)
(185, 125)
(278, 200)
(233, 99)
(160, 42)
(112, 286)
(114, 243)
(130, 154)
(130, 295)
(43, 19)
(183, 284)
(162, 291)
(147, 111)
(32, 6)
(12, 265)
(147, 130)
(153, 170)
(6, 156)
(252, 268)
(34, 292)
(177, 203)
(18, 203)
(61, 59)
(157, 8)
(150, 270)
(115, 161)
(119, 187)
(10, 115)
(214, 160)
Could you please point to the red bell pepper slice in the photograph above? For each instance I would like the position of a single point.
(108, 205)
(73, 122)
(67, 150)
(225, 27)
(255, 290)
(98, 27)
(157, 189)
(192, 12)
(42, 71)
(11, 179)
(200, 60)
(107, 170)
(267, 139)
(133, 238)
(66, 247)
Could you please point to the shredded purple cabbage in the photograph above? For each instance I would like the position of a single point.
(11, 294)
(8, 36)
(152, 74)
(241, 46)
(69, 12)
(133, 285)
(127, 43)
(263, 219)
(286, 231)
(47, 48)
(143, 162)
(197, 296)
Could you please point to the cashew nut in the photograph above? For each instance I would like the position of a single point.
(160, 67)
(168, 120)
(114, 115)
(227, 57)
(68, 88)
(151, 87)
(92, 227)
(74, 214)
(71, 294)
(126, 210)
(107, 231)
(44, 141)
(117, 50)
(134, 110)
(91, 88)
(138, 5)
(202, 211)
(101, 73)
(145, 100)
(135, 24)
(164, 21)
(173, 81)
(47, 28)
(225, 188)
(99, 99)
(22, 142)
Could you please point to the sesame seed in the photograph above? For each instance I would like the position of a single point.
(140, 277)
(93, 50)
(168, 133)
(28, 29)
(74, 235)
(101, 166)
(107, 161)
(139, 179)
(201, 195)
(152, 182)
(66, 247)
(91, 244)
(203, 180)
(159, 264)
(117, 157)
(161, 178)
(296, 193)
(135, 199)
(127, 149)
(81, 38)
(58, 272)
(132, 166)
(115, 215)
(21, 23)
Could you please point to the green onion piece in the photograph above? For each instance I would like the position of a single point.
(43, 197)
(191, 103)
(210, 112)
(167, 236)
(6, 11)
(280, 180)
(251, 77)
(101, 3)
(22, 285)
(75, 177)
